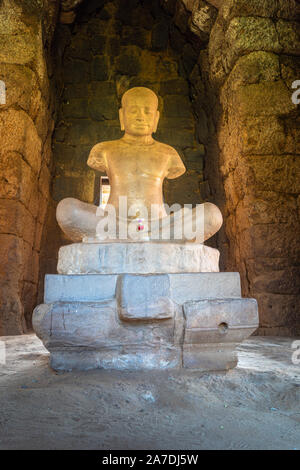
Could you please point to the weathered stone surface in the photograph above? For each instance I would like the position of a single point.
(97, 287)
(82, 333)
(99, 69)
(256, 67)
(88, 335)
(262, 8)
(202, 18)
(144, 297)
(87, 288)
(289, 37)
(23, 48)
(76, 108)
(68, 186)
(195, 286)
(128, 64)
(248, 34)
(160, 36)
(264, 99)
(77, 71)
(15, 177)
(171, 87)
(25, 129)
(204, 357)
(136, 258)
(219, 321)
(105, 108)
(21, 88)
(18, 134)
(280, 311)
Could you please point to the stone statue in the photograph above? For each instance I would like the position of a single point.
(140, 306)
(136, 166)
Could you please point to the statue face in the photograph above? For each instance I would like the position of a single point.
(139, 115)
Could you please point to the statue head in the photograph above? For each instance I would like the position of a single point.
(139, 114)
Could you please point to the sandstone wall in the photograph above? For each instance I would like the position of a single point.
(254, 58)
(26, 29)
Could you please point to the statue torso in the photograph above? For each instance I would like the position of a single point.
(136, 171)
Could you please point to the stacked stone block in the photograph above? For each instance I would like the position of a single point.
(25, 156)
(254, 55)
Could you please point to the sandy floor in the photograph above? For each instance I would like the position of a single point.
(255, 406)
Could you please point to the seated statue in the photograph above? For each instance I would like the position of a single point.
(136, 166)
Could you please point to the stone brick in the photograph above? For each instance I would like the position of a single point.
(97, 90)
(80, 48)
(68, 157)
(29, 300)
(177, 106)
(176, 122)
(99, 69)
(278, 310)
(104, 108)
(82, 132)
(202, 126)
(16, 220)
(135, 36)
(45, 177)
(276, 173)
(15, 177)
(144, 297)
(286, 281)
(76, 71)
(194, 157)
(18, 134)
(281, 240)
(113, 46)
(75, 108)
(21, 87)
(181, 138)
(289, 36)
(177, 86)
(80, 187)
(262, 8)
(97, 44)
(252, 68)
(160, 36)
(202, 19)
(142, 17)
(76, 90)
(25, 44)
(263, 99)
(258, 138)
(128, 63)
(248, 34)
(177, 39)
(189, 58)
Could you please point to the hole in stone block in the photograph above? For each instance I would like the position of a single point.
(223, 328)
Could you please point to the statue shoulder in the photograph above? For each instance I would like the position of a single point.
(175, 164)
(98, 155)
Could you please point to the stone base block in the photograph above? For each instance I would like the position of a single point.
(213, 356)
(137, 322)
(137, 258)
(129, 358)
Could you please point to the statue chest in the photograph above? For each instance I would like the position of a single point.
(138, 161)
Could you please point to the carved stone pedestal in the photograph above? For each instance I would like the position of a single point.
(144, 321)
